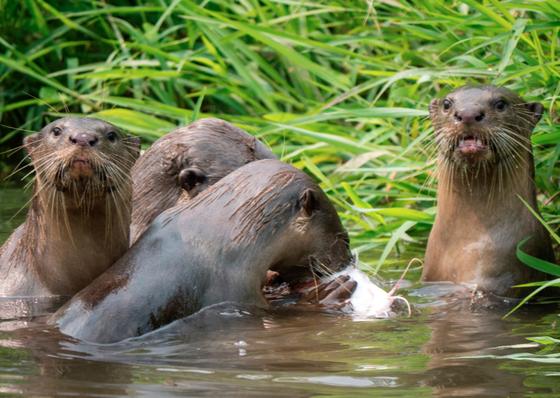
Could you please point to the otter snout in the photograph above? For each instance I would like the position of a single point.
(469, 115)
(84, 139)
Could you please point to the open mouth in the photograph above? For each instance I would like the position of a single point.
(289, 284)
(471, 145)
(349, 291)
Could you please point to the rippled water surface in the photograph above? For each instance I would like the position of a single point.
(444, 349)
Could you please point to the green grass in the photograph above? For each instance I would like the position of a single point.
(338, 88)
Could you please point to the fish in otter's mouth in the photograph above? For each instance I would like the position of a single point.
(349, 291)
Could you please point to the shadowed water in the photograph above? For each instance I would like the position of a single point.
(228, 350)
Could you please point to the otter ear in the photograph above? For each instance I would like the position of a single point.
(309, 202)
(133, 145)
(434, 105)
(190, 178)
(30, 142)
(536, 110)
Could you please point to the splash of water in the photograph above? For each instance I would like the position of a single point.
(369, 300)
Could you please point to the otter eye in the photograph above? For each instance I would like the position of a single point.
(56, 131)
(446, 104)
(500, 105)
(111, 136)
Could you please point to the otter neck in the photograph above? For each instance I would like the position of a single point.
(484, 190)
(82, 242)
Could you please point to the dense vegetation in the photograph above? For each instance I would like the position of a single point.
(339, 88)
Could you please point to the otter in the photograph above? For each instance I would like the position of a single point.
(485, 170)
(78, 221)
(214, 248)
(186, 161)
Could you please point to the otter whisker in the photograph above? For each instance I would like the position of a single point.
(22, 165)
(322, 268)
(18, 129)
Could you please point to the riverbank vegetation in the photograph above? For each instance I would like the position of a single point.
(337, 88)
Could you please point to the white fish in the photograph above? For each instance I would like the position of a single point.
(369, 300)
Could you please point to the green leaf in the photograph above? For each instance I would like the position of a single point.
(516, 33)
(129, 74)
(544, 340)
(534, 262)
(196, 111)
(401, 213)
(337, 141)
(538, 217)
(395, 237)
(136, 122)
(554, 282)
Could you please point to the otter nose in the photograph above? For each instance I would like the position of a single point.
(84, 139)
(469, 116)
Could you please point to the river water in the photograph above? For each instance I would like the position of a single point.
(445, 348)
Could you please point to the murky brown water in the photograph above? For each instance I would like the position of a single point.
(231, 351)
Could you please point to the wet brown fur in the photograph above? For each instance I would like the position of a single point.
(217, 247)
(480, 217)
(211, 148)
(250, 217)
(77, 223)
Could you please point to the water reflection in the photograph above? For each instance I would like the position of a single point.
(228, 350)
(461, 328)
(35, 364)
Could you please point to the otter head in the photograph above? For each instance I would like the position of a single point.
(208, 150)
(185, 162)
(83, 158)
(314, 240)
(483, 126)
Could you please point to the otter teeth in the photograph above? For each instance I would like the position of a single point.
(470, 144)
(470, 139)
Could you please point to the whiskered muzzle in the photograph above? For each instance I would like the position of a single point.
(492, 157)
(76, 178)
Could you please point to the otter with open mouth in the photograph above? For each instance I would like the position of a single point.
(78, 221)
(485, 168)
